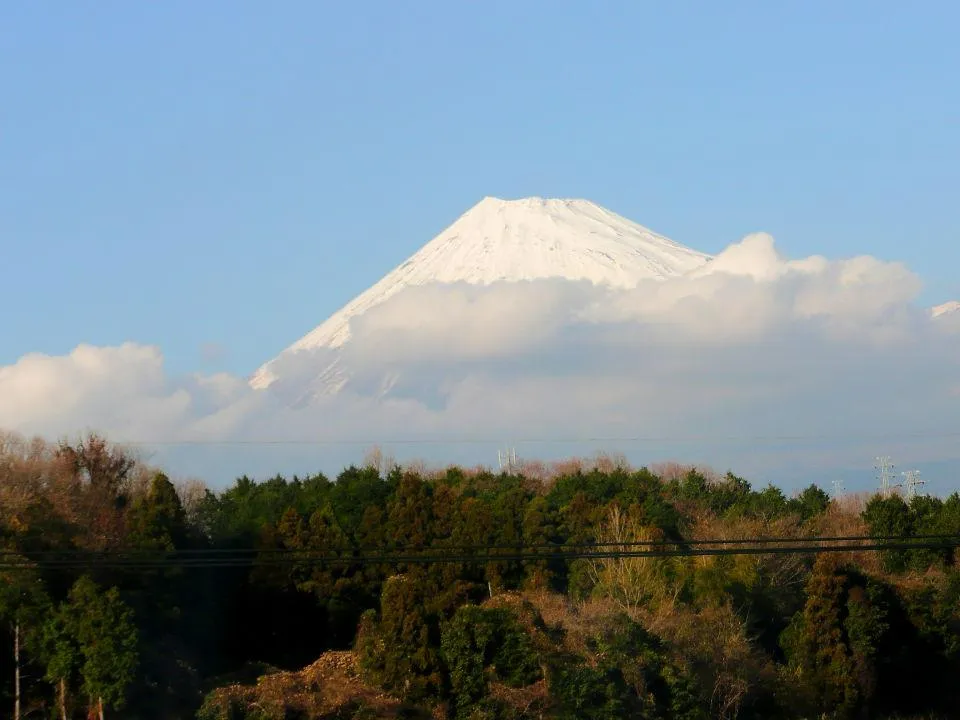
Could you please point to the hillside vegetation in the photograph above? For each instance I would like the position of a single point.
(368, 634)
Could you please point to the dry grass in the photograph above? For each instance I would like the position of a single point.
(525, 700)
(325, 688)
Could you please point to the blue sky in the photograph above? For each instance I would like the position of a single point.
(224, 175)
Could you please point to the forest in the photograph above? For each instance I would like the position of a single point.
(399, 591)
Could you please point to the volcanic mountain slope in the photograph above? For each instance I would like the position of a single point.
(508, 241)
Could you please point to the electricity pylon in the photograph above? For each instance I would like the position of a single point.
(507, 459)
(885, 475)
(837, 488)
(911, 482)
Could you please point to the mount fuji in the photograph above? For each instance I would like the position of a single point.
(501, 241)
(498, 242)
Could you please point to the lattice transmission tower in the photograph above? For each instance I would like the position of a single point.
(885, 475)
(837, 488)
(507, 460)
(911, 483)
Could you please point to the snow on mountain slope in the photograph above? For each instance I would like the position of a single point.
(508, 241)
(945, 309)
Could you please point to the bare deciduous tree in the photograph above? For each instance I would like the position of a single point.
(609, 462)
(634, 583)
(376, 459)
(192, 493)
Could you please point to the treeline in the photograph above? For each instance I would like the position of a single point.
(840, 635)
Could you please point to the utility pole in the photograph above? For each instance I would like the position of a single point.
(911, 482)
(16, 671)
(885, 475)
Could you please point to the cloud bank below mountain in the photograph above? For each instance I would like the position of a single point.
(752, 345)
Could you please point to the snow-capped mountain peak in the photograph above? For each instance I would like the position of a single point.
(514, 240)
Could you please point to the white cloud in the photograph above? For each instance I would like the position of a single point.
(752, 345)
(121, 390)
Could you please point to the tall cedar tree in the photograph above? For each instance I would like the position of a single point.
(106, 635)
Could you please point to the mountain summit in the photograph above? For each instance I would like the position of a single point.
(514, 240)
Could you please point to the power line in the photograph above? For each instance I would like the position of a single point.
(439, 545)
(225, 563)
(519, 553)
(545, 440)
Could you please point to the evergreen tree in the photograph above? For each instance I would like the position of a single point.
(63, 655)
(834, 641)
(890, 517)
(157, 520)
(102, 626)
(476, 639)
(810, 503)
(400, 651)
(538, 529)
(23, 605)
